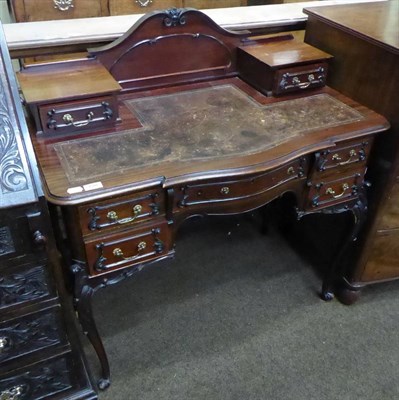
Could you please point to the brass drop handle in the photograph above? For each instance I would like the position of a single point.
(4, 343)
(68, 119)
(297, 82)
(331, 191)
(117, 252)
(12, 394)
(113, 216)
(336, 157)
(143, 3)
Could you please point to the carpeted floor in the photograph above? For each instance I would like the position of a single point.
(236, 315)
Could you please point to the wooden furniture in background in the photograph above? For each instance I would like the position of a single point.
(364, 40)
(45, 10)
(40, 353)
(193, 139)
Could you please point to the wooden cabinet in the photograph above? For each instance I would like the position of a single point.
(40, 354)
(364, 40)
(45, 10)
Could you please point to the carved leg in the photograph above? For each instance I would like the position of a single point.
(83, 296)
(359, 211)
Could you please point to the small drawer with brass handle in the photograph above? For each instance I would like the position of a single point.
(324, 194)
(300, 78)
(121, 212)
(240, 188)
(343, 155)
(74, 117)
(129, 247)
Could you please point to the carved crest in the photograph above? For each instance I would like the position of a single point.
(174, 17)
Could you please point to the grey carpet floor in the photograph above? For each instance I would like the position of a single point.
(236, 315)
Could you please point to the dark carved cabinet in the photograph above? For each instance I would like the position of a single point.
(40, 355)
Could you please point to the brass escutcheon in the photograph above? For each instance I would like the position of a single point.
(291, 171)
(12, 394)
(225, 190)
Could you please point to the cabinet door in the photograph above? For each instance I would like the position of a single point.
(44, 10)
(121, 7)
(199, 4)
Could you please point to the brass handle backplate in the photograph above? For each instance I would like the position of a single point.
(63, 5)
(144, 3)
(331, 191)
(113, 216)
(117, 252)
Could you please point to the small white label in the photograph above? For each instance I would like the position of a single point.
(76, 189)
(92, 186)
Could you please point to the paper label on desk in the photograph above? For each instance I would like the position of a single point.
(76, 189)
(93, 186)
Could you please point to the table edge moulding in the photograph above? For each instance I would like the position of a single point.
(197, 133)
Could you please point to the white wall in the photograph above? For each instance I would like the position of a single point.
(4, 14)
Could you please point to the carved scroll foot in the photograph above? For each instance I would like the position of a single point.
(83, 297)
(359, 211)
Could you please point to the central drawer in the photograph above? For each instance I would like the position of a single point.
(129, 247)
(215, 191)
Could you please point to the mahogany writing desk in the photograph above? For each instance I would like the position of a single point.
(172, 129)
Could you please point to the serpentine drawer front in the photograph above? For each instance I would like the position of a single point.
(215, 191)
(131, 209)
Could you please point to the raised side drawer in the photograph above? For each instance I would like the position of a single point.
(70, 117)
(25, 284)
(326, 194)
(126, 210)
(129, 247)
(31, 333)
(300, 78)
(237, 189)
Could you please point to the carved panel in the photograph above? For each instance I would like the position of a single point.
(6, 242)
(30, 333)
(14, 172)
(23, 286)
(38, 382)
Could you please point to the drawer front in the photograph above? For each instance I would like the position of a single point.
(31, 333)
(121, 7)
(348, 154)
(326, 194)
(75, 117)
(300, 78)
(227, 191)
(24, 285)
(128, 248)
(123, 211)
(50, 379)
(32, 10)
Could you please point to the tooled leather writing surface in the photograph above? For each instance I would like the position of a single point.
(220, 121)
